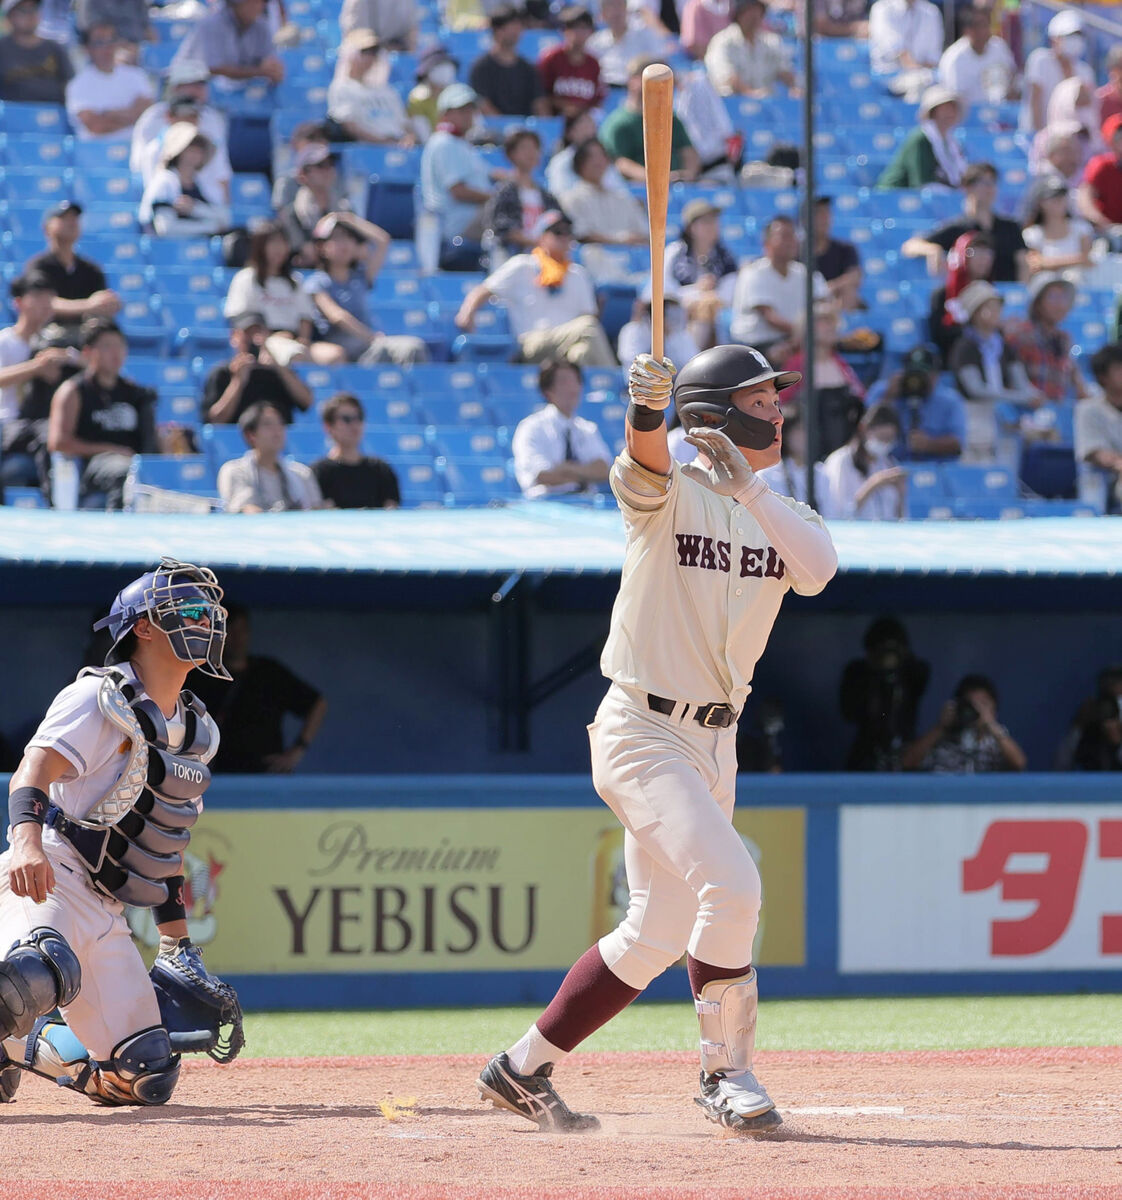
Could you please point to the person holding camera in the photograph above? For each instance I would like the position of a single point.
(968, 739)
(250, 376)
(1093, 741)
(932, 413)
(880, 694)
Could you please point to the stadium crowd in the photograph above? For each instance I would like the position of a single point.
(277, 254)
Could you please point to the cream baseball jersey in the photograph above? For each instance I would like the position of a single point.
(700, 591)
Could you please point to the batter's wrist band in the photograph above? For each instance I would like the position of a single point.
(642, 418)
(173, 908)
(28, 804)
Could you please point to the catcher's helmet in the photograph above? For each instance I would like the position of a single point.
(173, 597)
(703, 387)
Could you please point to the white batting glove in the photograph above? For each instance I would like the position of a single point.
(650, 382)
(728, 473)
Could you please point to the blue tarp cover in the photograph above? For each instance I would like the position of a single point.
(531, 536)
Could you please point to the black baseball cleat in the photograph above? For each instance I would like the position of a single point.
(736, 1100)
(10, 1076)
(531, 1096)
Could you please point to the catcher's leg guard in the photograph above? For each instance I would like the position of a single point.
(731, 1095)
(36, 976)
(141, 1070)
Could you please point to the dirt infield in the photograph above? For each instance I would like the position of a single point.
(944, 1126)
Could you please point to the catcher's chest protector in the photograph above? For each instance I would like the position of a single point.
(130, 859)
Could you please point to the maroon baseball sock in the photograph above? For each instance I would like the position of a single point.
(589, 997)
(703, 973)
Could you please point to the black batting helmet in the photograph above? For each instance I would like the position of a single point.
(703, 387)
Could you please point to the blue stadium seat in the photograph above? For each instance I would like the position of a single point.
(616, 303)
(396, 441)
(34, 118)
(390, 408)
(129, 279)
(220, 443)
(969, 482)
(927, 495)
(109, 187)
(988, 508)
(510, 408)
(111, 222)
(178, 408)
(142, 322)
(483, 347)
(251, 191)
(311, 98)
(398, 286)
(305, 444)
(35, 150)
(197, 284)
(389, 203)
(250, 143)
(480, 481)
(24, 497)
(40, 185)
(458, 443)
(198, 322)
(1049, 470)
(385, 162)
(101, 156)
(503, 378)
(1058, 508)
(420, 482)
(450, 287)
(401, 256)
(187, 473)
(183, 252)
(605, 379)
(465, 408)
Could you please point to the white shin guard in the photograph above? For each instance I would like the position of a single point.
(727, 1015)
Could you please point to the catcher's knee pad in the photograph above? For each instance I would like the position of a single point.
(36, 976)
(141, 1070)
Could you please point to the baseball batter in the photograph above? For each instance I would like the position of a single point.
(710, 554)
(100, 812)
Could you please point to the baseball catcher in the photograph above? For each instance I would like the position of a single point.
(711, 552)
(100, 812)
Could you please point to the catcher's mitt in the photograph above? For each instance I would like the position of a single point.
(199, 1011)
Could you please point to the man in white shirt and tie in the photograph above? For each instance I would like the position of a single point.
(555, 451)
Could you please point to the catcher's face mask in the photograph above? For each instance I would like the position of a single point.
(186, 604)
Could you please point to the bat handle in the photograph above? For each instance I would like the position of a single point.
(657, 311)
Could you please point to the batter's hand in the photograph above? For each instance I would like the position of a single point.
(650, 382)
(30, 873)
(728, 473)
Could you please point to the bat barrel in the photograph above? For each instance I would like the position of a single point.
(658, 117)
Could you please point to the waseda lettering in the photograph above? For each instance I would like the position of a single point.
(756, 562)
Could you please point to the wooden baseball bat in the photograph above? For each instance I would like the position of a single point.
(658, 113)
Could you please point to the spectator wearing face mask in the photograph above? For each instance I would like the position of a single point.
(436, 70)
(1046, 66)
(863, 481)
(635, 337)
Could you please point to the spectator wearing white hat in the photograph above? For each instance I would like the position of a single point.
(905, 44)
(455, 180)
(987, 370)
(1048, 65)
(235, 41)
(177, 203)
(187, 98)
(106, 98)
(929, 154)
(550, 300)
(361, 101)
(979, 67)
(32, 68)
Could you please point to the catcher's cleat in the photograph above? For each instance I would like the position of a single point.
(9, 1078)
(736, 1100)
(531, 1096)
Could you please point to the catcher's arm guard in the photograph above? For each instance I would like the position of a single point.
(200, 1012)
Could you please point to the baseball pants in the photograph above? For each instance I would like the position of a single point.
(693, 884)
(116, 999)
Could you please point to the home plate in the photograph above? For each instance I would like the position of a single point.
(847, 1110)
